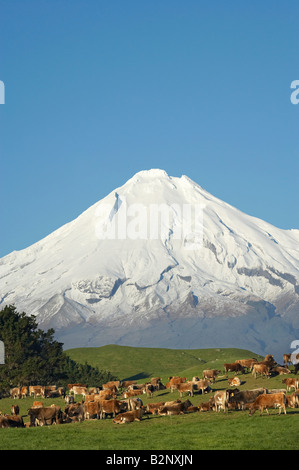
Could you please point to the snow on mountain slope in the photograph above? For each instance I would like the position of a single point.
(162, 262)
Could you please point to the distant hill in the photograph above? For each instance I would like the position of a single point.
(127, 362)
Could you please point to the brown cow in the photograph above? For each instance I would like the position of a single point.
(78, 390)
(211, 374)
(205, 406)
(246, 363)
(127, 383)
(37, 391)
(45, 415)
(240, 399)
(261, 369)
(234, 367)
(112, 383)
(111, 407)
(92, 409)
(37, 404)
(203, 385)
(131, 393)
(153, 407)
(291, 383)
(280, 370)
(176, 409)
(15, 392)
(287, 359)
(75, 411)
(265, 401)
(24, 392)
(7, 421)
(185, 387)
(129, 416)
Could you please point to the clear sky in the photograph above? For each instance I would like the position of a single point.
(97, 90)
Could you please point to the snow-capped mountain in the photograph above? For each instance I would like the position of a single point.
(160, 262)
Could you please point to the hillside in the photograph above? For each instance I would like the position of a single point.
(127, 362)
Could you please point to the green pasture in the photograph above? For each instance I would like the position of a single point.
(233, 430)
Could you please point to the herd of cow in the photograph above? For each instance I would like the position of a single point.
(122, 399)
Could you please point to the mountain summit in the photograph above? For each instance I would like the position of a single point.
(160, 262)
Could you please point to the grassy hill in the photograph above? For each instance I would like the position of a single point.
(127, 362)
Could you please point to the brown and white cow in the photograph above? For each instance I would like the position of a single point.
(15, 392)
(234, 382)
(79, 390)
(221, 398)
(265, 401)
(36, 391)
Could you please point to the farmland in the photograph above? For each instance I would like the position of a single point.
(200, 430)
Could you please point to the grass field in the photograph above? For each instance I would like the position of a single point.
(233, 430)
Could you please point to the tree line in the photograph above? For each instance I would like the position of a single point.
(34, 357)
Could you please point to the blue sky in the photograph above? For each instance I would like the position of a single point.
(96, 91)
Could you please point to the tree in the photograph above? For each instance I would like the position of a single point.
(33, 356)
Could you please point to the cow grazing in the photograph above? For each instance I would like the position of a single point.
(15, 392)
(261, 369)
(234, 367)
(291, 383)
(36, 391)
(211, 374)
(246, 363)
(24, 392)
(187, 387)
(43, 416)
(203, 385)
(149, 389)
(265, 401)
